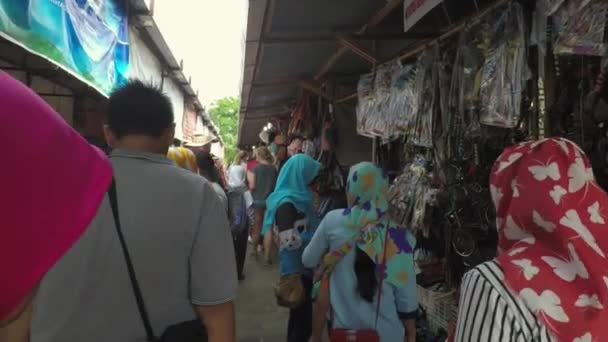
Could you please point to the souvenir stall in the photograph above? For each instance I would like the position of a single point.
(313, 121)
(441, 115)
(436, 103)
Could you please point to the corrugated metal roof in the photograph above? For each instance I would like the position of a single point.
(290, 41)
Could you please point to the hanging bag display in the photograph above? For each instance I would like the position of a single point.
(301, 123)
(189, 331)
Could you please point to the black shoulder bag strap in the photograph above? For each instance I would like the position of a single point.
(141, 306)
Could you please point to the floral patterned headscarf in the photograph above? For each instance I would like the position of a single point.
(183, 157)
(367, 215)
(552, 221)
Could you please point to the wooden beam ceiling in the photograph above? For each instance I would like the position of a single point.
(358, 49)
(342, 50)
(415, 49)
(306, 37)
(316, 89)
(265, 25)
(280, 81)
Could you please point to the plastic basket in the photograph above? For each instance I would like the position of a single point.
(441, 307)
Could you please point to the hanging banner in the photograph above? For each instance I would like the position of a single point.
(87, 38)
(414, 10)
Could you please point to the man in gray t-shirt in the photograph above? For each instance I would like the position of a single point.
(176, 231)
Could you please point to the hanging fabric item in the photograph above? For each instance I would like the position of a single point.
(365, 105)
(467, 78)
(379, 123)
(404, 102)
(453, 117)
(548, 7)
(581, 26)
(410, 195)
(329, 138)
(301, 123)
(504, 70)
(425, 86)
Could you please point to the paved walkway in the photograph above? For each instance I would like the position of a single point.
(258, 318)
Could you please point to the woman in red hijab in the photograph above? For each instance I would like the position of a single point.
(43, 214)
(550, 280)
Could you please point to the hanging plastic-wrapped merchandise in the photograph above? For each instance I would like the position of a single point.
(365, 95)
(548, 7)
(475, 43)
(504, 70)
(404, 101)
(444, 79)
(425, 86)
(411, 195)
(453, 117)
(580, 27)
(378, 124)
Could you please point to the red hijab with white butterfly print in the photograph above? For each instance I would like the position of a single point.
(553, 236)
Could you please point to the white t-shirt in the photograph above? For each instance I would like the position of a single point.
(237, 176)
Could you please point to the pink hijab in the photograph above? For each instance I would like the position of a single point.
(53, 181)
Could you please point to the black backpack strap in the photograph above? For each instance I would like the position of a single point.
(141, 306)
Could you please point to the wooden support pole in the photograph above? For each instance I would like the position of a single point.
(315, 89)
(325, 37)
(357, 49)
(342, 50)
(347, 98)
(452, 31)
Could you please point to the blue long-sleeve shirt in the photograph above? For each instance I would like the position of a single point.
(350, 310)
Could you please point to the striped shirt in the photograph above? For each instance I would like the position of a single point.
(489, 312)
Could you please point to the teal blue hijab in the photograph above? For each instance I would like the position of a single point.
(293, 187)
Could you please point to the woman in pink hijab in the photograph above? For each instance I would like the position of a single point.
(43, 213)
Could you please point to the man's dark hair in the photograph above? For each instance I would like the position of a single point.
(141, 109)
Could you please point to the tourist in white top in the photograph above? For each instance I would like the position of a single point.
(237, 172)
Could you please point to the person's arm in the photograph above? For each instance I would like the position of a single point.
(317, 247)
(410, 328)
(311, 257)
(219, 321)
(251, 180)
(17, 327)
(407, 303)
(321, 307)
(213, 279)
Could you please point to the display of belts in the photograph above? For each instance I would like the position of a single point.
(522, 71)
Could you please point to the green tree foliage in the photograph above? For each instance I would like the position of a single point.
(225, 113)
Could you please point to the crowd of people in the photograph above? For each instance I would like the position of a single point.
(150, 241)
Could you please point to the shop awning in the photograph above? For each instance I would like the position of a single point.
(293, 45)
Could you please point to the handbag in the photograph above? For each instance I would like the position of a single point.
(189, 331)
(289, 291)
(360, 335)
